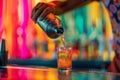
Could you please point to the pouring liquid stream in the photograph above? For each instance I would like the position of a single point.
(63, 40)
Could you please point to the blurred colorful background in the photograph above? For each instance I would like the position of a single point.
(87, 30)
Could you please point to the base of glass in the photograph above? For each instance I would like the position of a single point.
(64, 70)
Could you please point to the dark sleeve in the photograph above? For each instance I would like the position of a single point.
(115, 65)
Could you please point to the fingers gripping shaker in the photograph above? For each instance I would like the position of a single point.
(51, 25)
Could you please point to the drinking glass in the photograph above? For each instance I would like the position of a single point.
(64, 60)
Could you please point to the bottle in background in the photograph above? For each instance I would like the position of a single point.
(3, 53)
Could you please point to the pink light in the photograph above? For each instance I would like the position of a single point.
(1, 11)
(24, 50)
(1, 7)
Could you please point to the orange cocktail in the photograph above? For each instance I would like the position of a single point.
(64, 58)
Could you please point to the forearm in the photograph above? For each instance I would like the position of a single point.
(68, 5)
(71, 4)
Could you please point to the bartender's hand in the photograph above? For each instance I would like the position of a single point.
(43, 9)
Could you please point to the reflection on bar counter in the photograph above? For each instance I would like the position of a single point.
(32, 73)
